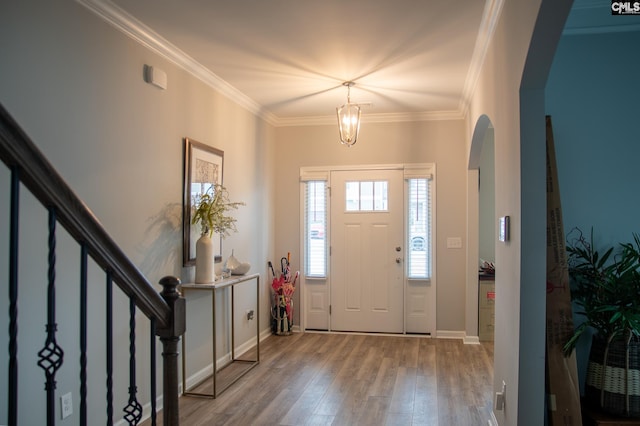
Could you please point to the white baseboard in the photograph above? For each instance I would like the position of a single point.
(268, 332)
(222, 361)
(471, 340)
(265, 333)
(447, 334)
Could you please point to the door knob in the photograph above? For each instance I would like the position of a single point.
(398, 248)
(398, 260)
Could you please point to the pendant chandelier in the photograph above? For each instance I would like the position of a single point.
(348, 119)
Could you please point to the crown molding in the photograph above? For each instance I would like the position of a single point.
(490, 17)
(371, 118)
(148, 38)
(601, 29)
(588, 4)
(145, 36)
(594, 17)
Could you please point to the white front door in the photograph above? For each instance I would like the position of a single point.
(367, 251)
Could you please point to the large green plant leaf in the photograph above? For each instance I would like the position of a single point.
(605, 287)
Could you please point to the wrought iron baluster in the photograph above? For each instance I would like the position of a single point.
(83, 334)
(31, 170)
(133, 409)
(12, 414)
(153, 371)
(52, 355)
(109, 324)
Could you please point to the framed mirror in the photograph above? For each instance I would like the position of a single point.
(202, 169)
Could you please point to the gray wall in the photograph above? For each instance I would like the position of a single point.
(487, 200)
(592, 98)
(76, 86)
(439, 142)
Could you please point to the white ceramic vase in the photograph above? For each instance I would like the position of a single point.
(205, 258)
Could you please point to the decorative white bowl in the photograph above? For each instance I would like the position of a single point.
(241, 269)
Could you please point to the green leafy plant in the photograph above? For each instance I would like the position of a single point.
(605, 286)
(211, 212)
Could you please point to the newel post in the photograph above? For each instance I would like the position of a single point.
(170, 337)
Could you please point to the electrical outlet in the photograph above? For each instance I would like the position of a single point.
(66, 405)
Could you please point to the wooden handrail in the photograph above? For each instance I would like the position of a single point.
(39, 176)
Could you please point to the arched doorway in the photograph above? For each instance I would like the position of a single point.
(481, 226)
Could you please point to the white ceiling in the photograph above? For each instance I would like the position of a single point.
(286, 59)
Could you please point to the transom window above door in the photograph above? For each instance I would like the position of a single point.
(366, 196)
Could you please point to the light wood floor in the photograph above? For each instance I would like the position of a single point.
(342, 379)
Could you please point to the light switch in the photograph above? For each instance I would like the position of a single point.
(454, 243)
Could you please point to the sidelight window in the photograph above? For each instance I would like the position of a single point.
(315, 238)
(419, 228)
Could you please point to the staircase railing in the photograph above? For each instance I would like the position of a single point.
(165, 310)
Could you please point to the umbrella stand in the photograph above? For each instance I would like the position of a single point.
(282, 326)
(282, 303)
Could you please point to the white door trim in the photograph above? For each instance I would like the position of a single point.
(303, 304)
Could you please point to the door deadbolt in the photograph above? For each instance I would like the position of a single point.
(398, 248)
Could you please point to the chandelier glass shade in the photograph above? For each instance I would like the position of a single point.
(348, 119)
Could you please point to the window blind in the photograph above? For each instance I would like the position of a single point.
(419, 228)
(315, 228)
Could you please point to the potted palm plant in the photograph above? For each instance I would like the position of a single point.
(606, 288)
(211, 213)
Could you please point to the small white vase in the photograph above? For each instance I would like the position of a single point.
(205, 258)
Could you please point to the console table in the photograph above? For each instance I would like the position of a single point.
(237, 367)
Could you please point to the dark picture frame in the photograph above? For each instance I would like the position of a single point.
(203, 167)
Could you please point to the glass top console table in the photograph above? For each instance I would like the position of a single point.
(236, 368)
